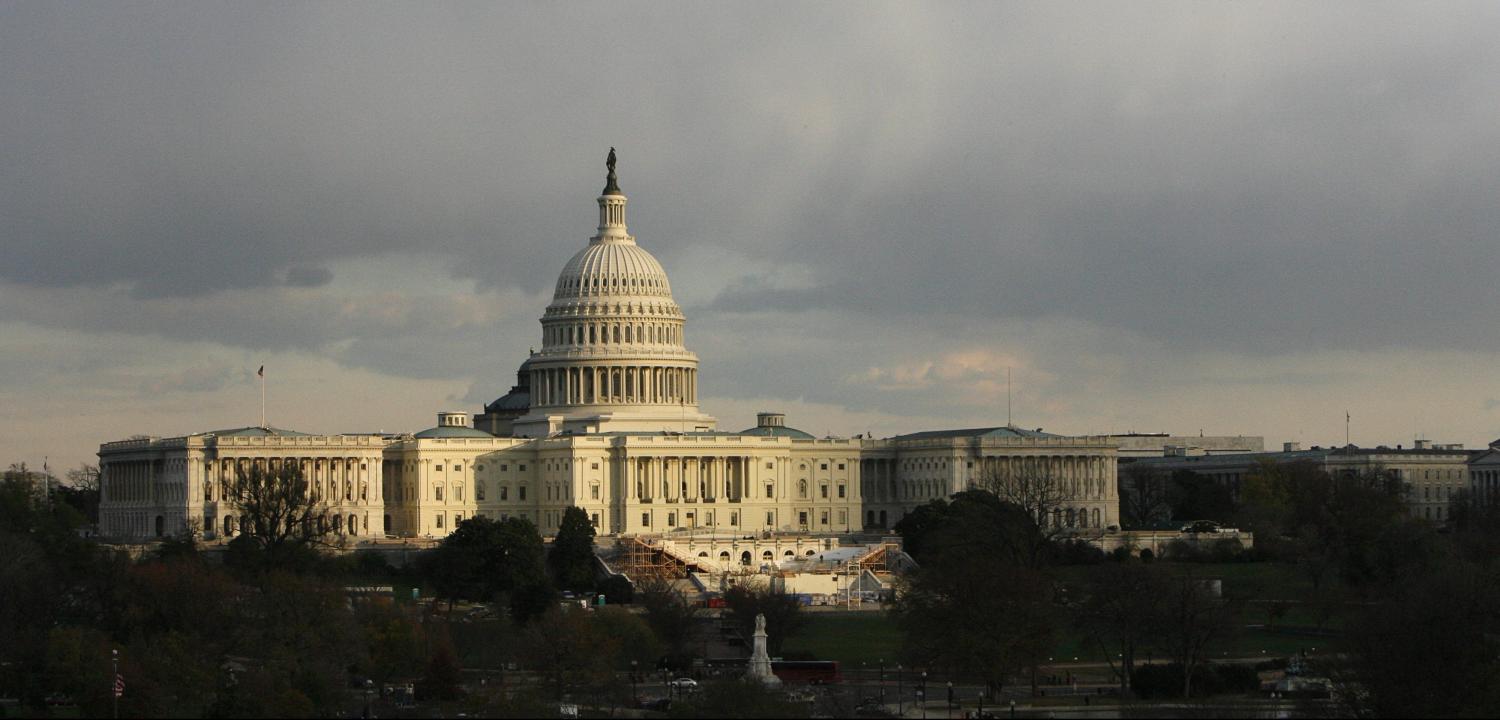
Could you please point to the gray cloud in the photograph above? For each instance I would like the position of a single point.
(1154, 180)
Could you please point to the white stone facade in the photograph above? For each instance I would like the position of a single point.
(605, 417)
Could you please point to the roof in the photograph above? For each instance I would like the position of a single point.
(452, 432)
(253, 431)
(777, 431)
(1235, 459)
(516, 399)
(1008, 431)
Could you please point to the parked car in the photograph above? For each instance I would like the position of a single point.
(685, 683)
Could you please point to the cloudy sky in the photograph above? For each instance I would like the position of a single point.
(1234, 218)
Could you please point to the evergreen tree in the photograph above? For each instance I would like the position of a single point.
(571, 559)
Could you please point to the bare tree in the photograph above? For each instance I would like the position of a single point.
(85, 478)
(1193, 617)
(278, 506)
(1144, 497)
(1044, 497)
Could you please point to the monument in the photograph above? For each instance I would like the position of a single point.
(760, 662)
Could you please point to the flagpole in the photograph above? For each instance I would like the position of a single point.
(262, 375)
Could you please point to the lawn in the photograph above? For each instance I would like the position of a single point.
(850, 638)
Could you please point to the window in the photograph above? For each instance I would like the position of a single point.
(522, 468)
(439, 520)
(843, 517)
(841, 491)
(479, 492)
(770, 492)
(596, 466)
(521, 493)
(458, 468)
(458, 519)
(823, 517)
(841, 466)
(645, 519)
(440, 468)
(504, 467)
(734, 518)
(437, 493)
(594, 519)
(671, 519)
(769, 466)
(458, 493)
(802, 519)
(771, 517)
(362, 466)
(823, 466)
(823, 491)
(504, 492)
(594, 492)
(479, 467)
(802, 488)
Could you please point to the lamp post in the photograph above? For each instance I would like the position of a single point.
(635, 696)
(900, 693)
(922, 694)
(950, 697)
(369, 684)
(981, 702)
(114, 684)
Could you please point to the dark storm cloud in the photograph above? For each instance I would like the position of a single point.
(1261, 177)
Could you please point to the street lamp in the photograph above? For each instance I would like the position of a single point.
(922, 694)
(981, 702)
(900, 693)
(635, 696)
(950, 697)
(369, 685)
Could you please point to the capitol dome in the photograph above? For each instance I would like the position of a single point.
(612, 355)
(612, 269)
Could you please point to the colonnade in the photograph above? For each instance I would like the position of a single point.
(605, 385)
(689, 479)
(586, 334)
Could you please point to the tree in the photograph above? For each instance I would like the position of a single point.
(784, 614)
(571, 557)
(1196, 497)
(979, 605)
(1143, 497)
(1192, 618)
(487, 561)
(286, 523)
(1120, 613)
(566, 648)
(1042, 497)
(82, 490)
(671, 617)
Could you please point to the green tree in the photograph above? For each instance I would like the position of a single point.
(979, 607)
(1120, 613)
(571, 557)
(674, 620)
(483, 560)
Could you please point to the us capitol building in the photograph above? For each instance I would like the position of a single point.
(605, 417)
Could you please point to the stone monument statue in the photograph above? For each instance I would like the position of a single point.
(612, 183)
(760, 663)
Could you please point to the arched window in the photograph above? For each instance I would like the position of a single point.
(724, 556)
(1096, 518)
(802, 488)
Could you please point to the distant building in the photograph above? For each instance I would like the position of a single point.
(1139, 445)
(1432, 473)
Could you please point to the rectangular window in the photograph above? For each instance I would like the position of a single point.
(708, 518)
(521, 492)
(645, 519)
(504, 467)
(437, 492)
(671, 519)
(843, 517)
(841, 466)
(458, 519)
(771, 518)
(824, 466)
(769, 491)
(523, 468)
(768, 466)
(458, 468)
(734, 518)
(823, 490)
(440, 520)
(504, 492)
(802, 518)
(594, 519)
(594, 492)
(841, 491)
(440, 468)
(823, 517)
(596, 466)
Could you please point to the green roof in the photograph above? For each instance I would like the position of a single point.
(452, 432)
(770, 431)
(253, 431)
(1008, 431)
